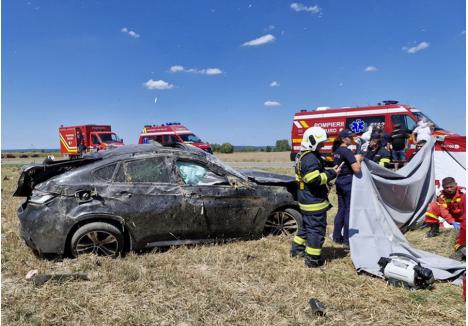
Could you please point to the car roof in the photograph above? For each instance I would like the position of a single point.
(154, 147)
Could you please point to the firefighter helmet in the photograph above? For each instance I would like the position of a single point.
(313, 137)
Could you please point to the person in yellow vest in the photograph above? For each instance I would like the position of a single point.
(312, 196)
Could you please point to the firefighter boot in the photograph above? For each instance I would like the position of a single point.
(297, 250)
(434, 231)
(459, 254)
(314, 261)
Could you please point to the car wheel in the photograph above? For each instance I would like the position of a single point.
(285, 222)
(99, 238)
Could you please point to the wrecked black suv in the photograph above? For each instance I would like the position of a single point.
(143, 196)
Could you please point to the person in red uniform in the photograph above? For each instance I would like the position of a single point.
(449, 206)
(460, 245)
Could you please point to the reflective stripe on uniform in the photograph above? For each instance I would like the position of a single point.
(311, 176)
(314, 207)
(383, 161)
(298, 240)
(323, 178)
(431, 215)
(313, 251)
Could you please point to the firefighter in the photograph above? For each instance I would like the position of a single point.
(313, 197)
(449, 206)
(460, 245)
(419, 145)
(376, 152)
(80, 142)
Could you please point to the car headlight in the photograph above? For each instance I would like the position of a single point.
(41, 198)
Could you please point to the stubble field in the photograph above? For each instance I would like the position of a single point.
(238, 283)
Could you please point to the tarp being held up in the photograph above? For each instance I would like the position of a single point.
(384, 204)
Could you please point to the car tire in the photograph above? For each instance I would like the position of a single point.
(99, 238)
(283, 222)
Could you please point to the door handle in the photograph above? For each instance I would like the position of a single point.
(125, 193)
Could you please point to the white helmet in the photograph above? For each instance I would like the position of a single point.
(312, 137)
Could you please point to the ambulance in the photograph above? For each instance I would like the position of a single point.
(75, 140)
(450, 148)
(169, 133)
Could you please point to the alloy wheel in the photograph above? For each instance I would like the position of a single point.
(281, 223)
(100, 243)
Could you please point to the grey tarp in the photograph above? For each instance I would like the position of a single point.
(385, 203)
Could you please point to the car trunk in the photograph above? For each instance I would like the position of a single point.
(32, 175)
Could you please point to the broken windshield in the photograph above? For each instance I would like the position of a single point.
(213, 159)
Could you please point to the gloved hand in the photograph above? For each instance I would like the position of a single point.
(456, 225)
(441, 219)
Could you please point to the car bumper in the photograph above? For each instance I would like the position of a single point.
(41, 230)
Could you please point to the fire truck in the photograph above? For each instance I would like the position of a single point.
(170, 133)
(450, 149)
(75, 140)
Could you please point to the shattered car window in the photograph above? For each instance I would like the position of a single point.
(106, 172)
(155, 169)
(213, 159)
(196, 175)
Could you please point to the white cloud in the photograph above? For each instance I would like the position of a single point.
(177, 68)
(130, 33)
(272, 103)
(421, 46)
(260, 41)
(274, 84)
(371, 69)
(213, 71)
(157, 84)
(297, 6)
(207, 71)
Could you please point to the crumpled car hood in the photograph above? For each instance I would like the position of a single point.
(264, 177)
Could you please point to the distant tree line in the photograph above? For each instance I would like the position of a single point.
(282, 145)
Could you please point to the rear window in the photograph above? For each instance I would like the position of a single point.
(361, 124)
(155, 169)
(105, 172)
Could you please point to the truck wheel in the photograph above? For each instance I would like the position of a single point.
(99, 238)
(284, 222)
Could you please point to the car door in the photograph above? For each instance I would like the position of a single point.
(225, 210)
(146, 194)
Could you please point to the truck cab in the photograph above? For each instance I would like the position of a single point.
(169, 133)
(74, 140)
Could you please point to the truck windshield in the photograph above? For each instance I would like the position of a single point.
(190, 138)
(422, 116)
(109, 138)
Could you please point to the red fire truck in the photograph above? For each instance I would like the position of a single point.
(171, 132)
(77, 139)
(450, 149)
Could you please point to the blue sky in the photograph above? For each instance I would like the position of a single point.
(212, 65)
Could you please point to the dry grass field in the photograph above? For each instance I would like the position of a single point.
(255, 157)
(238, 283)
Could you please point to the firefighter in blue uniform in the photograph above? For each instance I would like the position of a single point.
(377, 153)
(313, 197)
